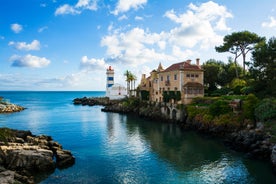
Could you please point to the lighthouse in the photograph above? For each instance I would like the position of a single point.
(114, 91)
(109, 77)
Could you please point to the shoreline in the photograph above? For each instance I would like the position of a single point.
(253, 142)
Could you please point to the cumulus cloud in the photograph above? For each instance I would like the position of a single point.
(35, 45)
(199, 25)
(77, 8)
(133, 47)
(92, 64)
(126, 5)
(16, 28)
(29, 61)
(197, 28)
(270, 24)
(66, 9)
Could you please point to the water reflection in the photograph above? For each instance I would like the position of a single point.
(198, 159)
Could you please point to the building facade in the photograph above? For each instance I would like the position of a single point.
(177, 84)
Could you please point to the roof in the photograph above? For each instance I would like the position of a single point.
(193, 84)
(185, 65)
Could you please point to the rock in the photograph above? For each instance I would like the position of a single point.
(33, 160)
(7, 177)
(64, 159)
(26, 155)
(273, 157)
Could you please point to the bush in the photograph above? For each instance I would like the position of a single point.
(266, 110)
(249, 105)
(219, 107)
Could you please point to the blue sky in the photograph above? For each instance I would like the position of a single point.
(68, 44)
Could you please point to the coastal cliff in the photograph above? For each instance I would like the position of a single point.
(254, 141)
(24, 156)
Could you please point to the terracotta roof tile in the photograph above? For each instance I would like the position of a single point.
(182, 66)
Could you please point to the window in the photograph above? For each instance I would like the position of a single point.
(188, 75)
(110, 78)
(161, 78)
(196, 75)
(168, 78)
(192, 75)
(175, 88)
(175, 77)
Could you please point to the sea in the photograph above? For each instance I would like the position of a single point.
(112, 148)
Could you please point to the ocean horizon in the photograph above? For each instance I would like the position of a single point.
(117, 148)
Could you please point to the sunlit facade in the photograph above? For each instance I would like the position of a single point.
(179, 83)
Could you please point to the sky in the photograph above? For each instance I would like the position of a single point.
(69, 44)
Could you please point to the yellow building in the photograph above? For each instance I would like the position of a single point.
(179, 83)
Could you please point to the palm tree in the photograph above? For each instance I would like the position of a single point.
(130, 79)
(127, 74)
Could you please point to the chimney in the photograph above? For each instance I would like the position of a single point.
(189, 61)
(143, 76)
(197, 61)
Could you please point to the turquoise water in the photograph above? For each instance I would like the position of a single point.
(114, 148)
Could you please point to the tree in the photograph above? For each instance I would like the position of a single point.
(211, 72)
(240, 43)
(130, 79)
(263, 68)
(127, 74)
(228, 73)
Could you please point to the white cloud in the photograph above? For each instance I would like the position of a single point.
(29, 61)
(77, 8)
(270, 24)
(196, 31)
(92, 64)
(123, 17)
(66, 9)
(138, 18)
(199, 25)
(40, 30)
(126, 5)
(134, 47)
(17, 28)
(35, 45)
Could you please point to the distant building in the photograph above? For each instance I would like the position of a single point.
(114, 91)
(177, 84)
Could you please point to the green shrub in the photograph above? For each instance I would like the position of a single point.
(145, 95)
(249, 105)
(219, 107)
(266, 109)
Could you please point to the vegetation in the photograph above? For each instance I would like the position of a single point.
(6, 134)
(239, 44)
(171, 95)
(130, 79)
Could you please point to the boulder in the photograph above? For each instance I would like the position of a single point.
(64, 159)
(273, 157)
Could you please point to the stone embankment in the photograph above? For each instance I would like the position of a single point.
(23, 156)
(6, 107)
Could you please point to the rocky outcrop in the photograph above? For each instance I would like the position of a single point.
(254, 142)
(94, 101)
(6, 107)
(24, 155)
